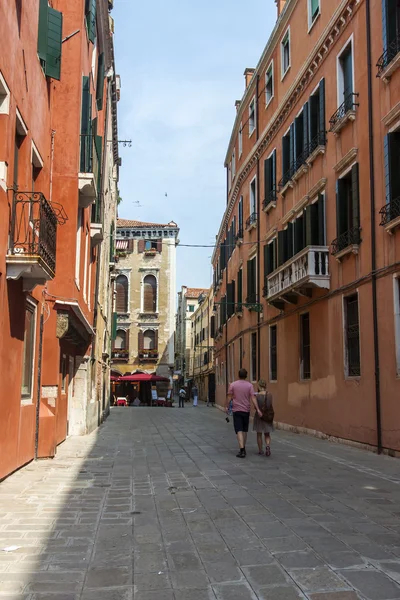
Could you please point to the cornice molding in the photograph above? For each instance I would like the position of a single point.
(347, 159)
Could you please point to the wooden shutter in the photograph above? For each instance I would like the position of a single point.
(149, 294)
(387, 165)
(141, 246)
(298, 139)
(266, 260)
(249, 280)
(100, 81)
(141, 341)
(121, 301)
(229, 299)
(273, 180)
(159, 246)
(281, 247)
(321, 220)
(267, 177)
(233, 284)
(321, 108)
(54, 40)
(313, 105)
(292, 145)
(240, 212)
(341, 207)
(91, 19)
(285, 154)
(156, 339)
(240, 287)
(355, 198)
(385, 24)
(289, 241)
(212, 327)
(305, 128)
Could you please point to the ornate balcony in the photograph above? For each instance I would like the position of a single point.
(316, 146)
(148, 355)
(346, 112)
(33, 237)
(251, 222)
(390, 215)
(390, 59)
(346, 243)
(88, 170)
(307, 269)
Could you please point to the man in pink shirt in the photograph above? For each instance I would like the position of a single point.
(242, 394)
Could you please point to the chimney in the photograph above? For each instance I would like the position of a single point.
(248, 74)
(280, 4)
(237, 104)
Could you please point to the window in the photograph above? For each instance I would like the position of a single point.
(230, 290)
(316, 118)
(240, 140)
(150, 294)
(392, 172)
(253, 357)
(252, 116)
(191, 308)
(150, 245)
(345, 77)
(50, 40)
(251, 281)
(285, 53)
(100, 81)
(396, 282)
(300, 142)
(253, 197)
(305, 358)
(149, 340)
(287, 158)
(90, 12)
(391, 28)
(270, 261)
(239, 298)
(270, 179)
(29, 351)
(347, 210)
(121, 288)
(352, 336)
(240, 217)
(273, 356)
(4, 96)
(269, 84)
(313, 11)
(120, 342)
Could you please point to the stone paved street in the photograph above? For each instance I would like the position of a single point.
(155, 506)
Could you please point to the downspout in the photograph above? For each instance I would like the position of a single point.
(373, 233)
(258, 299)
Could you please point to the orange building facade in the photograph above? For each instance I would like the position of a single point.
(306, 269)
(55, 99)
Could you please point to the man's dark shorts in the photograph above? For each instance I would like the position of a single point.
(241, 421)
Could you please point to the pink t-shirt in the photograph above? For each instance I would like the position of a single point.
(241, 391)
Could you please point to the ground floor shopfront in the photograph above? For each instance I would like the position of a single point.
(321, 364)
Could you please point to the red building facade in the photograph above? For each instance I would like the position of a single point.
(306, 271)
(52, 119)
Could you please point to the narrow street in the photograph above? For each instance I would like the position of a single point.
(155, 506)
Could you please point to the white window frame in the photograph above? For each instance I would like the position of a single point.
(312, 22)
(5, 95)
(36, 159)
(344, 326)
(396, 294)
(253, 181)
(28, 399)
(339, 72)
(252, 110)
(287, 33)
(240, 139)
(270, 66)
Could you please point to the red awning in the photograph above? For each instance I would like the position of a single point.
(114, 378)
(143, 377)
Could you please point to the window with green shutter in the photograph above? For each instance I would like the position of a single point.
(90, 12)
(100, 81)
(50, 40)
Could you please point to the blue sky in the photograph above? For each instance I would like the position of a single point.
(181, 64)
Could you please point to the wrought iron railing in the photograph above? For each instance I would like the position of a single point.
(390, 211)
(270, 197)
(346, 106)
(252, 220)
(34, 227)
(252, 298)
(348, 238)
(238, 307)
(239, 235)
(390, 53)
(318, 140)
(286, 177)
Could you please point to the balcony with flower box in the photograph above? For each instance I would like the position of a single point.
(306, 270)
(120, 355)
(148, 355)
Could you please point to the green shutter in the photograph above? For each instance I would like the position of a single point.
(355, 198)
(50, 40)
(91, 19)
(114, 326)
(321, 112)
(267, 178)
(306, 141)
(341, 207)
(100, 82)
(321, 220)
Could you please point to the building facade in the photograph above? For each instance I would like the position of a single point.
(306, 269)
(145, 302)
(188, 300)
(201, 368)
(55, 101)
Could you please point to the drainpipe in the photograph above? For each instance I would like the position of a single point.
(39, 382)
(373, 233)
(258, 242)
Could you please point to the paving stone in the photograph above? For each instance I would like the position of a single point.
(189, 579)
(281, 593)
(239, 591)
(262, 576)
(372, 584)
(298, 560)
(222, 572)
(251, 556)
(321, 578)
(205, 594)
(335, 596)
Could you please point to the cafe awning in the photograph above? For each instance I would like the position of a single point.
(143, 377)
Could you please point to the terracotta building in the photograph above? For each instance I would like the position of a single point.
(145, 297)
(55, 103)
(306, 269)
(201, 369)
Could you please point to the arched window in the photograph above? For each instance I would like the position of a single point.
(121, 303)
(149, 340)
(150, 294)
(120, 340)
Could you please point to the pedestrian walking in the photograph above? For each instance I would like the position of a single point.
(242, 394)
(182, 397)
(263, 425)
(195, 394)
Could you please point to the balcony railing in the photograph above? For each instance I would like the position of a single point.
(270, 198)
(34, 229)
(149, 355)
(251, 221)
(308, 268)
(239, 235)
(286, 177)
(349, 238)
(390, 211)
(317, 141)
(390, 53)
(348, 106)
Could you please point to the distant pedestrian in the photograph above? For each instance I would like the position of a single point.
(195, 394)
(264, 424)
(210, 401)
(242, 394)
(182, 397)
